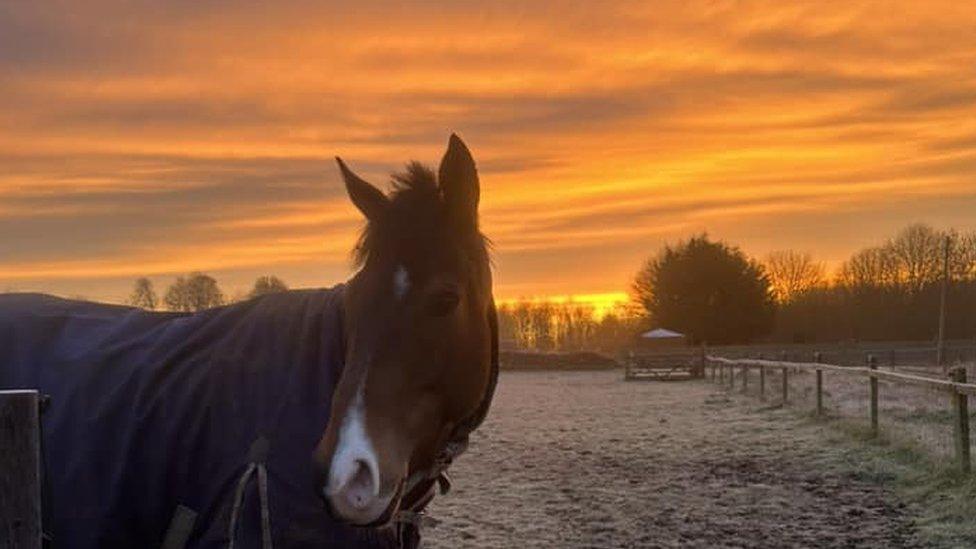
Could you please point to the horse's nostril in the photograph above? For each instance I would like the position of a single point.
(361, 488)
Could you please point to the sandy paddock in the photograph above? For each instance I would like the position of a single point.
(582, 459)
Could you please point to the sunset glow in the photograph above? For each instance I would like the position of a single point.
(600, 304)
(158, 139)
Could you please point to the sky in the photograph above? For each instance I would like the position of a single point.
(158, 138)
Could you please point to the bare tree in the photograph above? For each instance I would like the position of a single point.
(143, 295)
(918, 252)
(543, 326)
(196, 292)
(869, 268)
(962, 258)
(792, 274)
(575, 325)
(267, 285)
(572, 326)
(522, 324)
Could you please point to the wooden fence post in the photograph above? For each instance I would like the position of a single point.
(818, 359)
(961, 421)
(873, 364)
(20, 470)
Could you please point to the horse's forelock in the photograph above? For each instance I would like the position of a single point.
(415, 199)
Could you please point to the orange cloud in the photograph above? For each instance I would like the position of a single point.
(165, 138)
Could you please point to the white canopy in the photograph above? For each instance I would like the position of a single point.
(661, 333)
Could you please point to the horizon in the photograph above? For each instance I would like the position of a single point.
(204, 140)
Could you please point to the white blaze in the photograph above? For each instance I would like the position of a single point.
(353, 449)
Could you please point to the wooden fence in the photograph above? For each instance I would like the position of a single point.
(723, 371)
(665, 366)
(917, 354)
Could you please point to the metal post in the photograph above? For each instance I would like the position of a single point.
(873, 364)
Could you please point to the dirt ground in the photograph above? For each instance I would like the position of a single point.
(582, 459)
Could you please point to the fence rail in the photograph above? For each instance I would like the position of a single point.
(723, 371)
(901, 354)
(665, 366)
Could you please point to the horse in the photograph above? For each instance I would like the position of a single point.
(307, 418)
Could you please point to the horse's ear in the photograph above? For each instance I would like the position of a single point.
(370, 200)
(458, 179)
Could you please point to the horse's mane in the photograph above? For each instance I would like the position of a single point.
(416, 208)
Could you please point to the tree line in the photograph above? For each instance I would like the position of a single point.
(573, 326)
(716, 294)
(891, 291)
(195, 292)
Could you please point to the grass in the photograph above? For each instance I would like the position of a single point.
(941, 498)
(916, 412)
(913, 454)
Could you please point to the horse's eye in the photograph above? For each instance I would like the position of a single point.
(442, 302)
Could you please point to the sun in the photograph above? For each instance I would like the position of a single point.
(601, 303)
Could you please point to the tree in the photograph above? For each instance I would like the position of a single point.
(541, 319)
(708, 290)
(267, 285)
(870, 268)
(570, 326)
(143, 295)
(792, 274)
(196, 292)
(575, 325)
(962, 255)
(918, 250)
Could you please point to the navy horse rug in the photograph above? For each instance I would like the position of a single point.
(193, 427)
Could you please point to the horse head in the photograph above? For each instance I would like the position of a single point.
(420, 338)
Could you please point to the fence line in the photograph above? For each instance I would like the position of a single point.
(950, 386)
(955, 386)
(910, 354)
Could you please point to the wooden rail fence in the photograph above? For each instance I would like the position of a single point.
(956, 386)
(665, 366)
